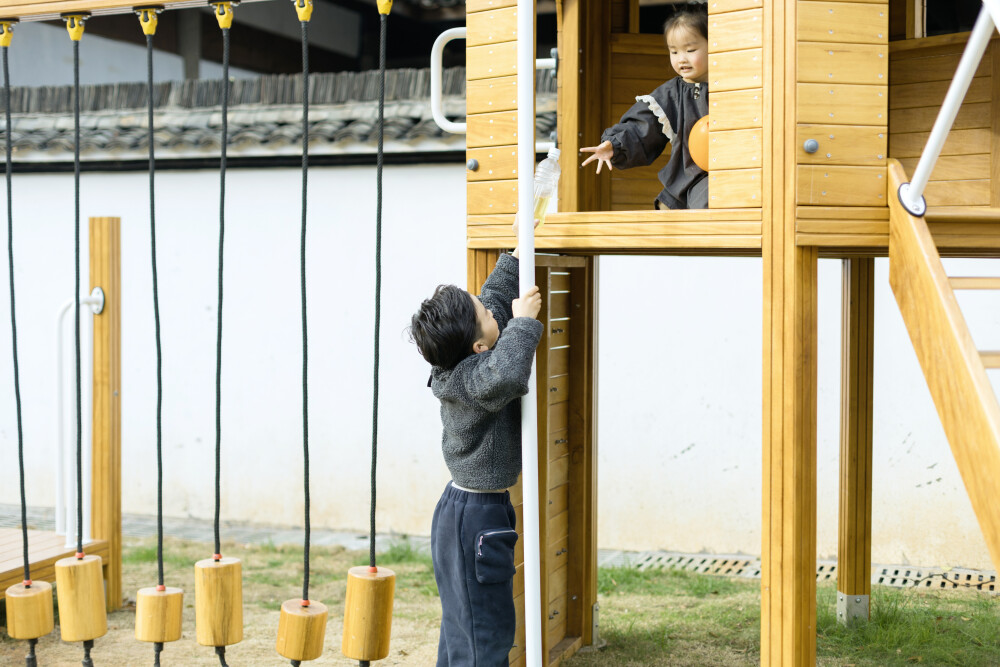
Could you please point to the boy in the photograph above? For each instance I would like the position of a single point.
(481, 349)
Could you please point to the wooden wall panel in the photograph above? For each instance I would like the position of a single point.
(843, 102)
(736, 103)
(919, 77)
(842, 63)
(736, 110)
(491, 27)
(735, 70)
(845, 22)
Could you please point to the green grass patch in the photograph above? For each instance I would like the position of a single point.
(678, 618)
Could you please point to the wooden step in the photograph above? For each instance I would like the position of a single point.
(991, 358)
(975, 283)
(960, 214)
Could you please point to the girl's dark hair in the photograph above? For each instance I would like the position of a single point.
(445, 328)
(693, 15)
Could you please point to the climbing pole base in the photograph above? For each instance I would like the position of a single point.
(158, 614)
(218, 594)
(82, 612)
(301, 630)
(368, 613)
(29, 610)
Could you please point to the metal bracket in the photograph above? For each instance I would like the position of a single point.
(95, 301)
(917, 208)
(850, 608)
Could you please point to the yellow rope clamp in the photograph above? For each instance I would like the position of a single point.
(384, 6)
(224, 14)
(304, 8)
(74, 24)
(6, 31)
(148, 18)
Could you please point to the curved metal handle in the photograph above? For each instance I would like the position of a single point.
(436, 51)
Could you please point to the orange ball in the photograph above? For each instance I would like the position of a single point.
(698, 143)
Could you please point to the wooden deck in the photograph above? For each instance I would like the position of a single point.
(44, 549)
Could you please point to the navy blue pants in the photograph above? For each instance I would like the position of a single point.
(472, 545)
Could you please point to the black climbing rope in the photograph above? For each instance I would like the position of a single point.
(13, 318)
(76, 298)
(218, 343)
(305, 319)
(383, 20)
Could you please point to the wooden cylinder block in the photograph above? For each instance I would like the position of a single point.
(368, 613)
(29, 610)
(218, 596)
(158, 614)
(82, 613)
(301, 630)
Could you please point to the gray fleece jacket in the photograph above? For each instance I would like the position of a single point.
(479, 411)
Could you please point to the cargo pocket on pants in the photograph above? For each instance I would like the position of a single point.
(495, 555)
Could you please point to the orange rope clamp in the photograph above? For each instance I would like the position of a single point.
(80, 555)
(216, 557)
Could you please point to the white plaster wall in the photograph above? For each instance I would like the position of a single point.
(679, 359)
(42, 55)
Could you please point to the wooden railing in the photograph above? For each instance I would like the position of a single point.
(954, 369)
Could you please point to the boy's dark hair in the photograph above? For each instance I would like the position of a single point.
(445, 328)
(693, 15)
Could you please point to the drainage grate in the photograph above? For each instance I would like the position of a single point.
(899, 576)
(935, 578)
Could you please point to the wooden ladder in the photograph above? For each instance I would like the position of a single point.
(955, 370)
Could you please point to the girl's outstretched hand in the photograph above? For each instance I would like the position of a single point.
(602, 154)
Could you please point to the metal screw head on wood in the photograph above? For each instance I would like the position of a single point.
(810, 146)
(472, 165)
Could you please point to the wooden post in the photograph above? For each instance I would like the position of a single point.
(994, 54)
(788, 528)
(583, 100)
(854, 543)
(582, 586)
(106, 496)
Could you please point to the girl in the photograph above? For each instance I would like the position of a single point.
(667, 115)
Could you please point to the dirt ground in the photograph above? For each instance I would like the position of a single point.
(270, 576)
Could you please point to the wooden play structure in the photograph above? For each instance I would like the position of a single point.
(849, 79)
(780, 74)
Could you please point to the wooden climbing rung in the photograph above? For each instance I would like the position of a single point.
(974, 283)
(991, 358)
(960, 214)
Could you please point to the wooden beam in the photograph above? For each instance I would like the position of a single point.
(951, 364)
(106, 488)
(788, 531)
(856, 373)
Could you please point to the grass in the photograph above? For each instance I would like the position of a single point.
(648, 618)
(680, 618)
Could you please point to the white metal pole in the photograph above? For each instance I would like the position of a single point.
(529, 410)
(911, 195)
(60, 439)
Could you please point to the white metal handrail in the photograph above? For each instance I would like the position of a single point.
(911, 194)
(437, 51)
(65, 464)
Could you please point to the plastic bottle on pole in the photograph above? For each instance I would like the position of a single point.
(546, 183)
